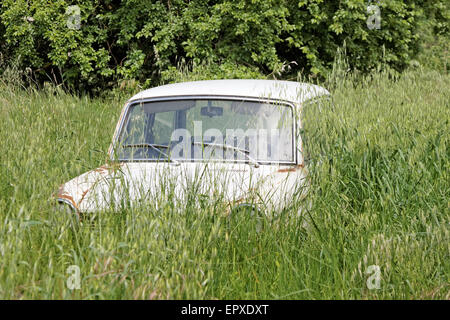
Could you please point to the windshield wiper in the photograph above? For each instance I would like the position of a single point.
(153, 146)
(228, 147)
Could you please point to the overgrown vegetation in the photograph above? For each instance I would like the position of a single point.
(146, 41)
(380, 176)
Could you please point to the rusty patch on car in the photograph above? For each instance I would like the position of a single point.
(70, 199)
(293, 169)
(111, 166)
(82, 196)
(101, 169)
(63, 195)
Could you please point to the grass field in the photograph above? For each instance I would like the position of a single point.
(380, 194)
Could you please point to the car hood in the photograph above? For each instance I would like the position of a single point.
(111, 186)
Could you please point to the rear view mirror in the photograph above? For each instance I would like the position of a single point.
(211, 111)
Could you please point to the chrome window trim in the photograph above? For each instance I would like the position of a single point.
(206, 97)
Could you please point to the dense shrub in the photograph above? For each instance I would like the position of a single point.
(147, 40)
(435, 36)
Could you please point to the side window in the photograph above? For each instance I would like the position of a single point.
(163, 127)
(135, 132)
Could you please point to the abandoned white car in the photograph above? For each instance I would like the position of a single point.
(235, 139)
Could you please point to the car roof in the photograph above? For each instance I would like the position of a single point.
(291, 91)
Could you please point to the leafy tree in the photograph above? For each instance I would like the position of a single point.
(148, 40)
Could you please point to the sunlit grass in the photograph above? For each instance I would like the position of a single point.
(380, 190)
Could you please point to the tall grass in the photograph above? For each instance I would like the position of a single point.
(380, 188)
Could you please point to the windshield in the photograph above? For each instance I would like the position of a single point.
(205, 129)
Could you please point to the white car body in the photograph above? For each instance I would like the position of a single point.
(269, 184)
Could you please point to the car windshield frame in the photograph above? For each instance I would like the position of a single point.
(278, 102)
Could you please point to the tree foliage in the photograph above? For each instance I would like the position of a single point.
(147, 40)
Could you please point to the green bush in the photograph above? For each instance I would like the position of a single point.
(147, 40)
(435, 31)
